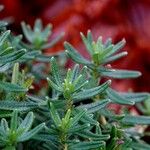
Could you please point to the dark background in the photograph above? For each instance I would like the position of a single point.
(129, 19)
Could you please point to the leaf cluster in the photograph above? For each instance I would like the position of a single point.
(70, 111)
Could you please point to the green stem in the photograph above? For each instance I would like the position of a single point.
(63, 139)
(69, 104)
(97, 78)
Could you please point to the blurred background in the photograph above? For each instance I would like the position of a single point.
(109, 18)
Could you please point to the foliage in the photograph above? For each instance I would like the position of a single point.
(71, 112)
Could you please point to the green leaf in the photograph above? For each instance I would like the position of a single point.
(15, 74)
(27, 122)
(116, 98)
(8, 50)
(140, 146)
(72, 52)
(14, 105)
(45, 137)
(91, 135)
(26, 136)
(28, 82)
(69, 75)
(105, 51)
(53, 85)
(50, 145)
(86, 118)
(15, 41)
(98, 45)
(118, 74)
(4, 36)
(55, 72)
(83, 72)
(38, 25)
(3, 24)
(95, 106)
(12, 56)
(115, 57)
(14, 121)
(27, 32)
(136, 97)
(4, 67)
(88, 93)
(4, 125)
(117, 47)
(9, 87)
(5, 113)
(43, 58)
(46, 31)
(78, 128)
(98, 129)
(2, 134)
(30, 55)
(81, 80)
(132, 120)
(88, 41)
(109, 114)
(67, 115)
(54, 115)
(77, 117)
(53, 42)
(75, 72)
(58, 103)
(80, 86)
(108, 42)
(86, 145)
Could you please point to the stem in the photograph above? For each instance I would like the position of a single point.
(97, 78)
(65, 147)
(63, 139)
(69, 104)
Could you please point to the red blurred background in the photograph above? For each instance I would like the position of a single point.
(108, 18)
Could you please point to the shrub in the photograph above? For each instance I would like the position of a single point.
(72, 111)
